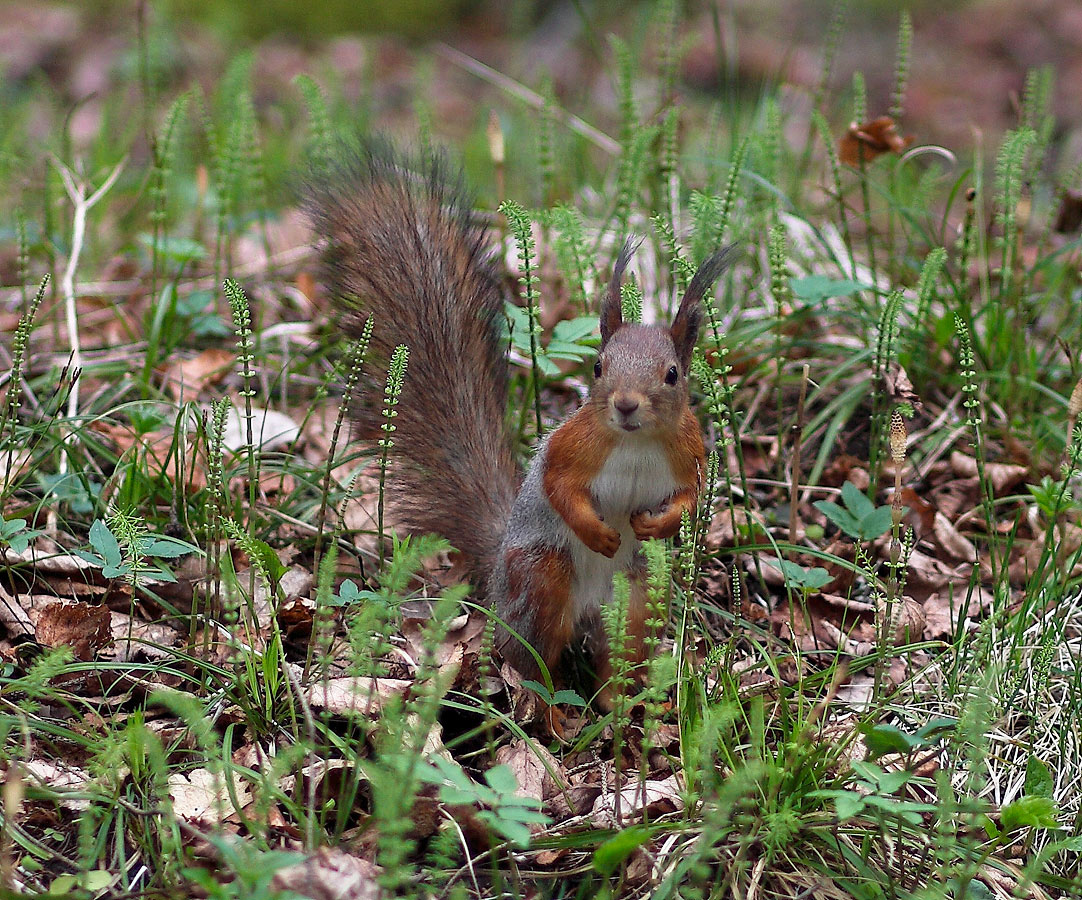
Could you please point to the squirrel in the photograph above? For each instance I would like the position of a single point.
(399, 243)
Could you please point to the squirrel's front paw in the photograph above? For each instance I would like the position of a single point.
(605, 541)
(646, 525)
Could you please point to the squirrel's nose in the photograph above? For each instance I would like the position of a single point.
(625, 405)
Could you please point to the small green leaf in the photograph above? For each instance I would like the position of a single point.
(855, 501)
(569, 697)
(348, 593)
(977, 890)
(1028, 812)
(97, 880)
(883, 739)
(847, 804)
(936, 728)
(269, 561)
(517, 833)
(501, 779)
(168, 548)
(875, 523)
(63, 884)
(106, 544)
(816, 288)
(1039, 781)
(575, 330)
(840, 516)
(613, 852)
(543, 692)
(806, 579)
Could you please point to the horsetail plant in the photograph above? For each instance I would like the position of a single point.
(972, 405)
(546, 161)
(569, 242)
(22, 259)
(658, 665)
(20, 340)
(860, 99)
(926, 284)
(901, 66)
(835, 29)
(681, 271)
(631, 300)
(354, 361)
(1010, 175)
(522, 231)
(614, 621)
(396, 376)
(163, 153)
(241, 311)
(886, 335)
(319, 118)
(820, 124)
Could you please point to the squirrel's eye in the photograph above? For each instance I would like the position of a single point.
(597, 368)
(672, 375)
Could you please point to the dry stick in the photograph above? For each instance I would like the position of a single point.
(798, 432)
(76, 188)
(530, 98)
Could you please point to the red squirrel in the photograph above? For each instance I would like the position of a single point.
(399, 244)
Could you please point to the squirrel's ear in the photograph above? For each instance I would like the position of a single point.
(612, 315)
(689, 317)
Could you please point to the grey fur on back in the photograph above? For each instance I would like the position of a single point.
(399, 244)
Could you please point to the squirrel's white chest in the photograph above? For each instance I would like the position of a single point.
(636, 476)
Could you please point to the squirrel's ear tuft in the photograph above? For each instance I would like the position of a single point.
(689, 317)
(612, 316)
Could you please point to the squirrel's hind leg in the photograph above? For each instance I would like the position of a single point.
(537, 604)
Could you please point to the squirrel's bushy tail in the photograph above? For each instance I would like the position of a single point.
(399, 245)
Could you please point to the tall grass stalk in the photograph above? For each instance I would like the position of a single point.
(827, 139)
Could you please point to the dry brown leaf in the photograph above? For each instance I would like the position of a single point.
(1002, 476)
(871, 139)
(900, 389)
(906, 620)
(271, 430)
(656, 797)
(952, 540)
(13, 616)
(46, 563)
(944, 613)
(295, 617)
(724, 526)
(202, 795)
(84, 627)
(295, 583)
(533, 768)
(356, 695)
(330, 874)
(62, 778)
(1065, 541)
(153, 640)
(186, 379)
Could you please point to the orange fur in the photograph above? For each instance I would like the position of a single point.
(576, 452)
(541, 585)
